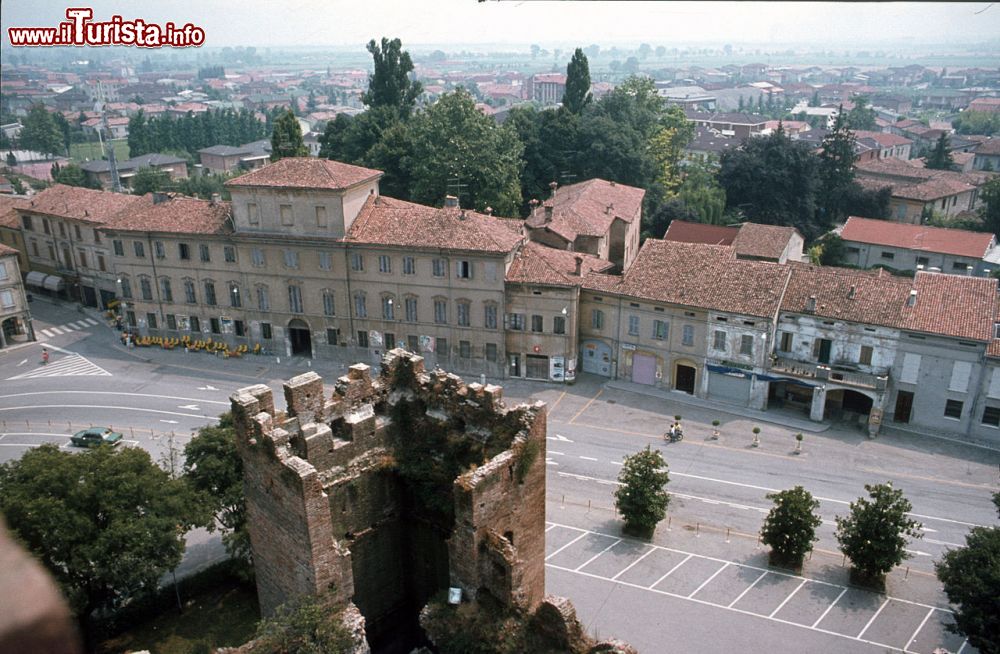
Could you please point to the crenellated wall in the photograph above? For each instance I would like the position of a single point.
(388, 490)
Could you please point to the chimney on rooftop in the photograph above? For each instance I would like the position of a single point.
(450, 202)
(160, 197)
(852, 292)
(968, 271)
(553, 186)
(578, 260)
(548, 213)
(811, 304)
(489, 211)
(912, 300)
(216, 198)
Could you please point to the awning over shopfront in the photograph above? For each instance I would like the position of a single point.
(53, 283)
(35, 278)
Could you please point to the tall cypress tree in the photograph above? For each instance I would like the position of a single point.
(577, 83)
(940, 157)
(836, 169)
(286, 139)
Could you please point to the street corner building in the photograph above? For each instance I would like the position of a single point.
(392, 489)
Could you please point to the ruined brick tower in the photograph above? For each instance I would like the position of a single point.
(388, 491)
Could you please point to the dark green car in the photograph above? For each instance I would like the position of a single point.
(96, 436)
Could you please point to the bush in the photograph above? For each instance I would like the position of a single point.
(874, 535)
(641, 498)
(790, 528)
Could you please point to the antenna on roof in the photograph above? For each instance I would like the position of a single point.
(108, 147)
(456, 187)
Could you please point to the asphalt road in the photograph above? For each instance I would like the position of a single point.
(704, 567)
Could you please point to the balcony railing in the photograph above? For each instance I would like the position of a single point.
(835, 374)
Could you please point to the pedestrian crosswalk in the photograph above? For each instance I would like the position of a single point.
(65, 328)
(71, 365)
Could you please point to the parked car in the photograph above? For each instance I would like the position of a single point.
(96, 436)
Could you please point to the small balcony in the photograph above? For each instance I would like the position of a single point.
(844, 375)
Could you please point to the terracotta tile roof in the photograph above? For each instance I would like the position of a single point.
(932, 189)
(876, 299)
(589, 208)
(763, 241)
(6, 250)
(687, 232)
(306, 172)
(884, 139)
(174, 215)
(388, 221)
(952, 305)
(79, 203)
(917, 237)
(537, 264)
(8, 211)
(988, 147)
(698, 275)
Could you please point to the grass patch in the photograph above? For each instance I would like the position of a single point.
(220, 610)
(81, 152)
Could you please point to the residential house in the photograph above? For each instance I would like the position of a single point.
(99, 171)
(918, 191)
(987, 104)
(223, 159)
(688, 97)
(10, 227)
(732, 125)
(66, 252)
(117, 127)
(546, 88)
(708, 146)
(15, 317)
(594, 217)
(884, 145)
(869, 243)
(748, 240)
(987, 155)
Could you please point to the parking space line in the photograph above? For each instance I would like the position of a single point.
(588, 458)
(746, 590)
(872, 619)
(549, 528)
(962, 648)
(566, 545)
(670, 572)
(586, 406)
(785, 601)
(629, 566)
(832, 604)
(584, 565)
(706, 582)
(724, 607)
(919, 627)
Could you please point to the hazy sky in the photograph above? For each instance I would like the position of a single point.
(846, 25)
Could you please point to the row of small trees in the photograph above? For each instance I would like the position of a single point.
(873, 536)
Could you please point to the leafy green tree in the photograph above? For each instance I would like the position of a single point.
(773, 180)
(657, 221)
(64, 128)
(977, 122)
(701, 192)
(832, 250)
(667, 147)
(458, 145)
(790, 527)
(971, 579)
(140, 138)
(577, 83)
(203, 186)
(393, 154)
(390, 85)
(874, 534)
(861, 116)
(11, 160)
(149, 180)
(641, 497)
(286, 139)
(308, 625)
(940, 157)
(550, 140)
(72, 175)
(40, 132)
(106, 523)
(212, 466)
(990, 211)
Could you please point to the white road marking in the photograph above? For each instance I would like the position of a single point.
(207, 388)
(55, 330)
(91, 322)
(670, 571)
(171, 422)
(707, 581)
(74, 365)
(99, 392)
(785, 601)
(556, 453)
(190, 407)
(928, 530)
(582, 534)
(746, 590)
(588, 458)
(942, 542)
(22, 363)
(832, 604)
(560, 438)
(550, 462)
(46, 333)
(629, 566)
(919, 627)
(591, 559)
(101, 406)
(872, 619)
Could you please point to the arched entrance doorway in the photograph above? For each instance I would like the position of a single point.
(300, 338)
(684, 377)
(10, 328)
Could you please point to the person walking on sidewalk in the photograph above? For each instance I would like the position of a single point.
(45, 356)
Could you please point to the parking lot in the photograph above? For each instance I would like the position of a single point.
(851, 615)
